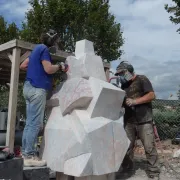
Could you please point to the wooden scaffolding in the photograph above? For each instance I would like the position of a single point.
(12, 54)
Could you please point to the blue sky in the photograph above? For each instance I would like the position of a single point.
(151, 41)
(14, 10)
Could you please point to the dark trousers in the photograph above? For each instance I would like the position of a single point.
(146, 135)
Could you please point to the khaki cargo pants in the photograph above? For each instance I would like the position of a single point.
(146, 134)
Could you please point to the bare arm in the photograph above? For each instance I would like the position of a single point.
(146, 98)
(49, 68)
(142, 100)
(24, 65)
(148, 91)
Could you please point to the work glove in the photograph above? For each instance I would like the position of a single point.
(130, 102)
(63, 67)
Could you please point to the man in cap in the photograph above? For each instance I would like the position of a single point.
(138, 116)
(38, 82)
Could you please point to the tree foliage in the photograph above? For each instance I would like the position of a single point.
(7, 31)
(4, 97)
(175, 10)
(178, 93)
(75, 20)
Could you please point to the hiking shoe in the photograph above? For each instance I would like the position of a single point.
(34, 162)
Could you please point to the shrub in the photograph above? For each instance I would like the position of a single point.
(167, 123)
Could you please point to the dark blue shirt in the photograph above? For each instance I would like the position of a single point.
(36, 74)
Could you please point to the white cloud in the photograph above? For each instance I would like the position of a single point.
(14, 10)
(151, 41)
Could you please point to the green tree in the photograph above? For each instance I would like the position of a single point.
(7, 31)
(178, 93)
(75, 20)
(175, 10)
(4, 98)
(3, 26)
(102, 29)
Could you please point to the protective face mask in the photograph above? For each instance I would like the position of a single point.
(125, 78)
(128, 76)
(122, 80)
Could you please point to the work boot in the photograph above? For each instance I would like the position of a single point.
(128, 170)
(128, 167)
(33, 161)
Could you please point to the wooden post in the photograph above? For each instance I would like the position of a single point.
(10, 135)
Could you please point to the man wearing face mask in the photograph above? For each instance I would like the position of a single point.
(138, 116)
(38, 82)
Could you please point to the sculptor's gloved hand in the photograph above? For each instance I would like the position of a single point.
(63, 67)
(130, 102)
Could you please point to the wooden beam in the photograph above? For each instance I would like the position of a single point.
(8, 76)
(8, 45)
(24, 45)
(25, 56)
(56, 58)
(59, 56)
(4, 72)
(13, 99)
(5, 64)
(10, 56)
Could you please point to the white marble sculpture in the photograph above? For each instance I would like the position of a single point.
(84, 135)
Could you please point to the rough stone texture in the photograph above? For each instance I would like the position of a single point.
(107, 100)
(84, 47)
(53, 102)
(83, 142)
(85, 67)
(53, 98)
(76, 164)
(11, 169)
(120, 143)
(100, 133)
(36, 173)
(84, 135)
(75, 93)
(57, 135)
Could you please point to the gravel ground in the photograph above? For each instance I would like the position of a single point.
(140, 171)
(171, 172)
(167, 173)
